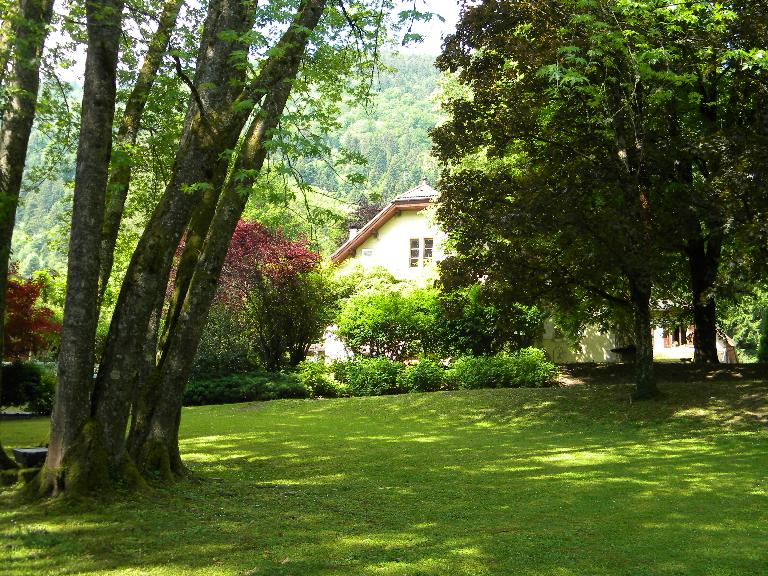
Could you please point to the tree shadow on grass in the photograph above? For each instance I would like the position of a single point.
(544, 482)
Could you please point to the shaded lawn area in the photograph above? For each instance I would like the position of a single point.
(562, 481)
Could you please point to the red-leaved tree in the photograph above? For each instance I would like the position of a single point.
(276, 286)
(29, 327)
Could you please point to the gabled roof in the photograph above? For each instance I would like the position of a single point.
(416, 198)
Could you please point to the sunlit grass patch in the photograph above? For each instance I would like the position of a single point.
(555, 482)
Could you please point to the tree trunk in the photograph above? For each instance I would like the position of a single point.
(76, 458)
(158, 452)
(209, 130)
(127, 134)
(23, 45)
(645, 382)
(703, 264)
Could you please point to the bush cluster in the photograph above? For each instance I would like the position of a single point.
(28, 385)
(528, 367)
(244, 388)
(376, 377)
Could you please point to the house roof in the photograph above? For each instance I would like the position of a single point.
(417, 198)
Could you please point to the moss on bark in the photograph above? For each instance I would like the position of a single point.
(84, 470)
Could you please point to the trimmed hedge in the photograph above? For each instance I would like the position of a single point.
(244, 388)
(528, 367)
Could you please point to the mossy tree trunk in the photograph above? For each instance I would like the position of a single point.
(125, 140)
(645, 381)
(210, 128)
(75, 453)
(703, 264)
(155, 446)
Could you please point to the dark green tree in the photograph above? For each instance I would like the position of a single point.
(577, 148)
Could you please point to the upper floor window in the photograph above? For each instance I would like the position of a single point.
(427, 254)
(421, 251)
(414, 255)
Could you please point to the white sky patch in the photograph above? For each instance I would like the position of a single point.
(435, 31)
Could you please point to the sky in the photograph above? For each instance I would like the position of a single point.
(435, 31)
(432, 32)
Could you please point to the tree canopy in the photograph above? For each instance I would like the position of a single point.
(577, 143)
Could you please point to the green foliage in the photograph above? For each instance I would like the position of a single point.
(225, 346)
(528, 367)
(744, 320)
(244, 388)
(426, 376)
(372, 376)
(400, 321)
(317, 377)
(473, 321)
(584, 133)
(29, 385)
(762, 350)
(391, 134)
(389, 323)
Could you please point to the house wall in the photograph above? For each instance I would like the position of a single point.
(595, 346)
(391, 250)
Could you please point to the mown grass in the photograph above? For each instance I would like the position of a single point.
(565, 481)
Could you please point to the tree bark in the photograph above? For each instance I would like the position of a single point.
(23, 46)
(75, 456)
(208, 132)
(645, 382)
(127, 134)
(157, 453)
(703, 264)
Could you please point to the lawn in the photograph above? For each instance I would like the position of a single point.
(562, 481)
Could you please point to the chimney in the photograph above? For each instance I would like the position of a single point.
(353, 232)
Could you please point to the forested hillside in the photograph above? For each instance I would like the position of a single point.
(391, 134)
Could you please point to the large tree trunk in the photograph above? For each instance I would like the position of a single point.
(23, 44)
(209, 130)
(645, 382)
(127, 134)
(703, 264)
(76, 458)
(157, 452)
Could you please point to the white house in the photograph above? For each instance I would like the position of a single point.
(404, 239)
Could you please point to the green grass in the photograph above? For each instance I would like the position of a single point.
(561, 482)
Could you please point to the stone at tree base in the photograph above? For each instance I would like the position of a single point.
(30, 457)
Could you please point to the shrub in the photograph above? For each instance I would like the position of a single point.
(318, 379)
(225, 347)
(426, 376)
(244, 388)
(372, 376)
(28, 385)
(41, 401)
(475, 321)
(470, 372)
(528, 367)
(388, 323)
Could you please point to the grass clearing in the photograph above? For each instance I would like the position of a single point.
(565, 481)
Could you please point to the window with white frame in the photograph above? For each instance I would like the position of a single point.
(421, 252)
